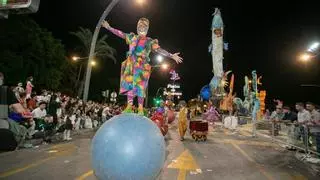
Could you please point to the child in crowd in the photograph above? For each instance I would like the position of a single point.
(88, 121)
(68, 126)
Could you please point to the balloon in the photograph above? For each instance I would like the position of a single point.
(205, 93)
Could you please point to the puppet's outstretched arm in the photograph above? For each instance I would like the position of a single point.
(165, 53)
(116, 32)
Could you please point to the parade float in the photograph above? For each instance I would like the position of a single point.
(219, 80)
(220, 92)
(199, 130)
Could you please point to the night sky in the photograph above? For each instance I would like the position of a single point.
(263, 35)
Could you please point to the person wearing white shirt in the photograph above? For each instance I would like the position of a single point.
(38, 115)
(40, 112)
(314, 124)
(304, 117)
(106, 114)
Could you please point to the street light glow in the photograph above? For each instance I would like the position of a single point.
(165, 66)
(159, 58)
(75, 58)
(140, 2)
(314, 46)
(305, 57)
(93, 63)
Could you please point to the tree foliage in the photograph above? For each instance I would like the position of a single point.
(28, 50)
(102, 51)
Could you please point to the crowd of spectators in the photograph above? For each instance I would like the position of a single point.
(48, 114)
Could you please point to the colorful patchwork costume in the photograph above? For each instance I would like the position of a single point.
(136, 70)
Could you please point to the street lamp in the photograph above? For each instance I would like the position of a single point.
(305, 57)
(164, 66)
(75, 58)
(93, 44)
(140, 2)
(93, 63)
(314, 47)
(159, 58)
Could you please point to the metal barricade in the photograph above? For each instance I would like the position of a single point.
(288, 134)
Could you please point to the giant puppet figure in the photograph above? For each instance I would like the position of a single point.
(216, 49)
(136, 70)
(255, 96)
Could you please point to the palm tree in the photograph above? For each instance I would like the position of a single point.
(103, 50)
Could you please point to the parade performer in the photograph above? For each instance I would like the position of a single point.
(135, 70)
(160, 120)
(182, 120)
(29, 87)
(212, 114)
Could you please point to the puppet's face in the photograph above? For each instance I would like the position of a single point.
(218, 32)
(143, 27)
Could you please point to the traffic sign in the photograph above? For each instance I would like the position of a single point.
(18, 6)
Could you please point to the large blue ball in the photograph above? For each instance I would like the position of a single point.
(128, 146)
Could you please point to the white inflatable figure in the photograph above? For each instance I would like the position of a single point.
(231, 122)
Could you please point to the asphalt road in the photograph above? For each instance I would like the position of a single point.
(225, 155)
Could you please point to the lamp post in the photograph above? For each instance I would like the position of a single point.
(162, 66)
(159, 90)
(312, 52)
(76, 59)
(93, 47)
(93, 44)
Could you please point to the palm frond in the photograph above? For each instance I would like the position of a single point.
(102, 50)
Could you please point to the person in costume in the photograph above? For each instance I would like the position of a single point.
(212, 114)
(160, 120)
(136, 70)
(29, 87)
(18, 90)
(182, 120)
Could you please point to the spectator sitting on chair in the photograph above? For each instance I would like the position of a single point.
(38, 115)
(40, 112)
